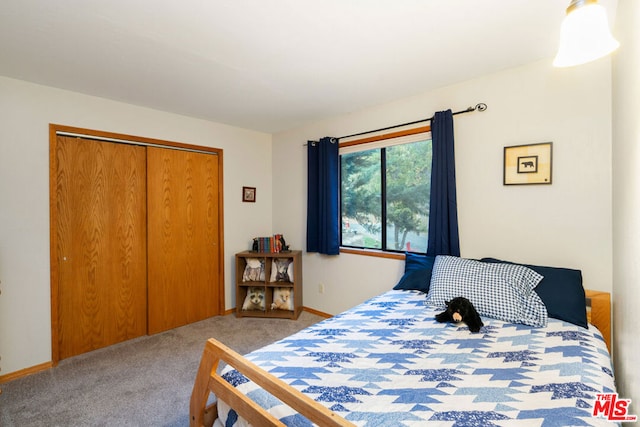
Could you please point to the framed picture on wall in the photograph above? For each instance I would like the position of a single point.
(527, 164)
(249, 194)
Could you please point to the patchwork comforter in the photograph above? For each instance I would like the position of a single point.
(388, 362)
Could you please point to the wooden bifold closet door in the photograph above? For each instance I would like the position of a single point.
(182, 189)
(101, 244)
(135, 239)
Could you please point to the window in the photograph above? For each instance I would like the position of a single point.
(385, 190)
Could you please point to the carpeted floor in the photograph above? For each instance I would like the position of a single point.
(142, 382)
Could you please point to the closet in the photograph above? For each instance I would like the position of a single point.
(182, 231)
(136, 242)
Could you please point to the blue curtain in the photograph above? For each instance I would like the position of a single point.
(323, 197)
(443, 210)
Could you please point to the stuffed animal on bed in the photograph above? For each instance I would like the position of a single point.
(282, 299)
(461, 309)
(254, 299)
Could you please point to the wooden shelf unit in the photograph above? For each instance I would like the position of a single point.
(267, 285)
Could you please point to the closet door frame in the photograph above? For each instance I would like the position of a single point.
(54, 130)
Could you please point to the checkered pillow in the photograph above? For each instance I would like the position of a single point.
(501, 291)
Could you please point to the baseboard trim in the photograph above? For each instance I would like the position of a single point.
(25, 372)
(307, 309)
(317, 312)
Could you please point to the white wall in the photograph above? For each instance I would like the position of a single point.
(25, 113)
(626, 202)
(564, 224)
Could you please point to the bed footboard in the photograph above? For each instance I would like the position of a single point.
(209, 381)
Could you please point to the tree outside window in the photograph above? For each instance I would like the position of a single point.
(385, 197)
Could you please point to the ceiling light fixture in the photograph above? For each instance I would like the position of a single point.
(584, 35)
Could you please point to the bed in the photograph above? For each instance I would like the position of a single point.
(388, 362)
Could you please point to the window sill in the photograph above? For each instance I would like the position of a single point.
(371, 252)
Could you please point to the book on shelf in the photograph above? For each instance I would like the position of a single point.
(271, 244)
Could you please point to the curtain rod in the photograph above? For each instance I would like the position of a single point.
(479, 107)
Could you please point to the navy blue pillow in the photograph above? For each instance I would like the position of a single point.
(561, 291)
(417, 272)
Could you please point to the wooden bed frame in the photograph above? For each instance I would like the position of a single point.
(209, 381)
(599, 313)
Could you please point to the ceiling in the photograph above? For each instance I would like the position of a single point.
(270, 65)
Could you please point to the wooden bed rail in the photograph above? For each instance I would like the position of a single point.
(209, 381)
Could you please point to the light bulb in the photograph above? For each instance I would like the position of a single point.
(584, 35)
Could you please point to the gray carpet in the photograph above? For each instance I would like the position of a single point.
(142, 382)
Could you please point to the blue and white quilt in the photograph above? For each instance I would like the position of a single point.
(387, 362)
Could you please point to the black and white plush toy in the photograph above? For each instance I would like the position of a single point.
(458, 310)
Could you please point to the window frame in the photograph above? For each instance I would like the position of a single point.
(382, 253)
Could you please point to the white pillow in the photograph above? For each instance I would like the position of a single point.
(254, 299)
(282, 270)
(254, 270)
(501, 291)
(282, 299)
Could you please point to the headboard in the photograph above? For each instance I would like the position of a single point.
(599, 313)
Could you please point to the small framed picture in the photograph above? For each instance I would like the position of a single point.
(527, 164)
(248, 194)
